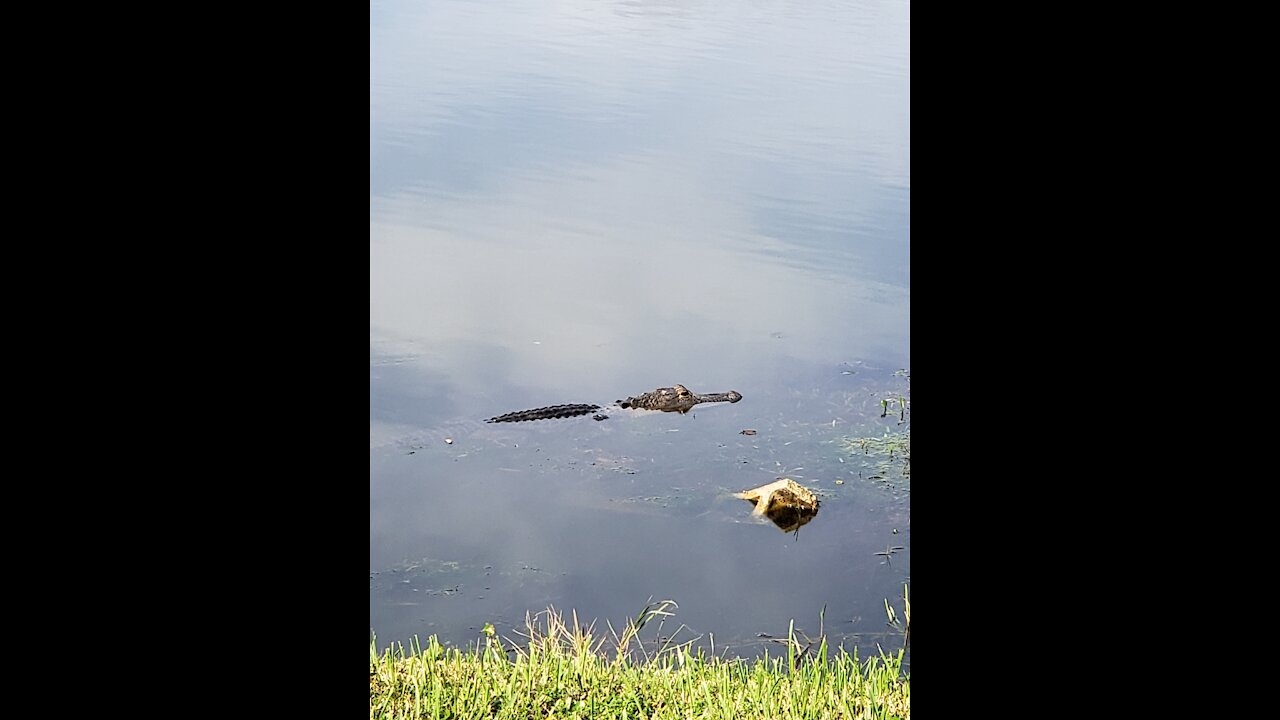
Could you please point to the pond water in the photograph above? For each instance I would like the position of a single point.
(577, 202)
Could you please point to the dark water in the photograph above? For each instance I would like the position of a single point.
(577, 202)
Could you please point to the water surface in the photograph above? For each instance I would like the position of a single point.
(577, 202)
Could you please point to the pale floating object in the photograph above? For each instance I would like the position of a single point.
(448, 441)
(786, 502)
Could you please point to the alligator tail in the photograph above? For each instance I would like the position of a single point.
(545, 413)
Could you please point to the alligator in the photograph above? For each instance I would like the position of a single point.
(677, 398)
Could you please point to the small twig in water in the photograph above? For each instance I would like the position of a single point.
(889, 551)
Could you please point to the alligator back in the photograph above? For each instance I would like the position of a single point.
(545, 413)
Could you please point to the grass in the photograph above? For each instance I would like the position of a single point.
(563, 669)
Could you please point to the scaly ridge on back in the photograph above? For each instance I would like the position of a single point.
(545, 413)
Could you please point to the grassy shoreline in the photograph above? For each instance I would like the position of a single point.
(564, 670)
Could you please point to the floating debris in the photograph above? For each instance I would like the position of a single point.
(448, 441)
(786, 502)
(888, 553)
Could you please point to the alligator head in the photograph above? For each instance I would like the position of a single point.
(677, 398)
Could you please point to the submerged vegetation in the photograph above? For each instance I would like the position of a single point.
(889, 451)
(566, 670)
